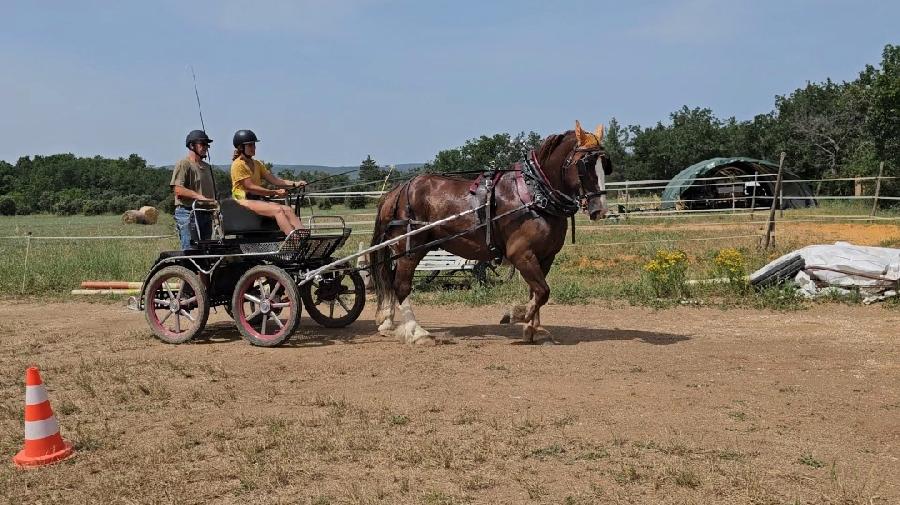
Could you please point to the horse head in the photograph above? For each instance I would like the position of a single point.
(581, 165)
(592, 165)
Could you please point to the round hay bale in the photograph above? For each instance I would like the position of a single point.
(150, 214)
(133, 217)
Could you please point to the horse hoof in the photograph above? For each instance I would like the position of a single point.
(505, 318)
(386, 327)
(516, 314)
(409, 335)
(528, 334)
(425, 341)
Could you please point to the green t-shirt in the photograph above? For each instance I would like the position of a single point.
(195, 177)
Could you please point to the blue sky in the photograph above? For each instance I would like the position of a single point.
(328, 82)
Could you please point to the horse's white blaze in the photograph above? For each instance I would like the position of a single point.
(601, 184)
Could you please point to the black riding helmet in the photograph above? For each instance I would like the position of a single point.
(196, 136)
(242, 137)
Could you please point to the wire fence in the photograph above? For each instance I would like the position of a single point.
(734, 215)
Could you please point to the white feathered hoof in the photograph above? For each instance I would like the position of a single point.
(425, 341)
(515, 314)
(410, 332)
(386, 328)
(537, 335)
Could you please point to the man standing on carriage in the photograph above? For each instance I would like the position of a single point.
(192, 180)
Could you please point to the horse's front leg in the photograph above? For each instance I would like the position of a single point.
(384, 318)
(408, 329)
(533, 274)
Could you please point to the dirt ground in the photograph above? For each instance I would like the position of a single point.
(634, 406)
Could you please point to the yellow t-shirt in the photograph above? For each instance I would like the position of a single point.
(240, 170)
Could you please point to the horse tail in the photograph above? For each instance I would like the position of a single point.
(382, 266)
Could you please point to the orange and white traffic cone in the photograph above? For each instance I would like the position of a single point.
(43, 443)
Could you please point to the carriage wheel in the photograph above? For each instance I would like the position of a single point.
(487, 273)
(266, 305)
(175, 304)
(227, 306)
(336, 300)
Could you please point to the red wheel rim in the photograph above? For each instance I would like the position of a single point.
(265, 308)
(174, 307)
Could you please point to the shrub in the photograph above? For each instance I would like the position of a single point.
(665, 273)
(731, 264)
(356, 202)
(68, 207)
(7, 206)
(324, 203)
(94, 207)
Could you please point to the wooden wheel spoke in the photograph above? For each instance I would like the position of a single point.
(168, 289)
(343, 304)
(277, 321)
(251, 298)
(168, 313)
(187, 315)
(275, 290)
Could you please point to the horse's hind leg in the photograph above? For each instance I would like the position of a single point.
(408, 329)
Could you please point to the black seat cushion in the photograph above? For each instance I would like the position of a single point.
(237, 219)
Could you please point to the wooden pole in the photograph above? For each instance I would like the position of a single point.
(626, 200)
(27, 250)
(733, 199)
(877, 189)
(753, 198)
(386, 177)
(780, 196)
(769, 239)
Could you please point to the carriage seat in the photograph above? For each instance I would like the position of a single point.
(238, 220)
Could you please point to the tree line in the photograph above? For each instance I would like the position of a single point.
(827, 129)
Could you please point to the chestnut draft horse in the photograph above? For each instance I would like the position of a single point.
(523, 219)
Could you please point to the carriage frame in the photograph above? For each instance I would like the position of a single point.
(262, 278)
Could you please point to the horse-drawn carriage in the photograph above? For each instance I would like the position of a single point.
(260, 277)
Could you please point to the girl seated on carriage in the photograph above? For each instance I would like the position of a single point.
(247, 175)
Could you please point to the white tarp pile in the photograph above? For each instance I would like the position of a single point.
(844, 268)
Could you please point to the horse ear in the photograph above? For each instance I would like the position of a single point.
(599, 133)
(579, 133)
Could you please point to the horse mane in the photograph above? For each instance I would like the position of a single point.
(550, 144)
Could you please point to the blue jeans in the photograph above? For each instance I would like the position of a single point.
(187, 230)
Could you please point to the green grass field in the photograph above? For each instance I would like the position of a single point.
(606, 263)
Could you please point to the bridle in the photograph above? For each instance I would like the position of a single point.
(582, 167)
